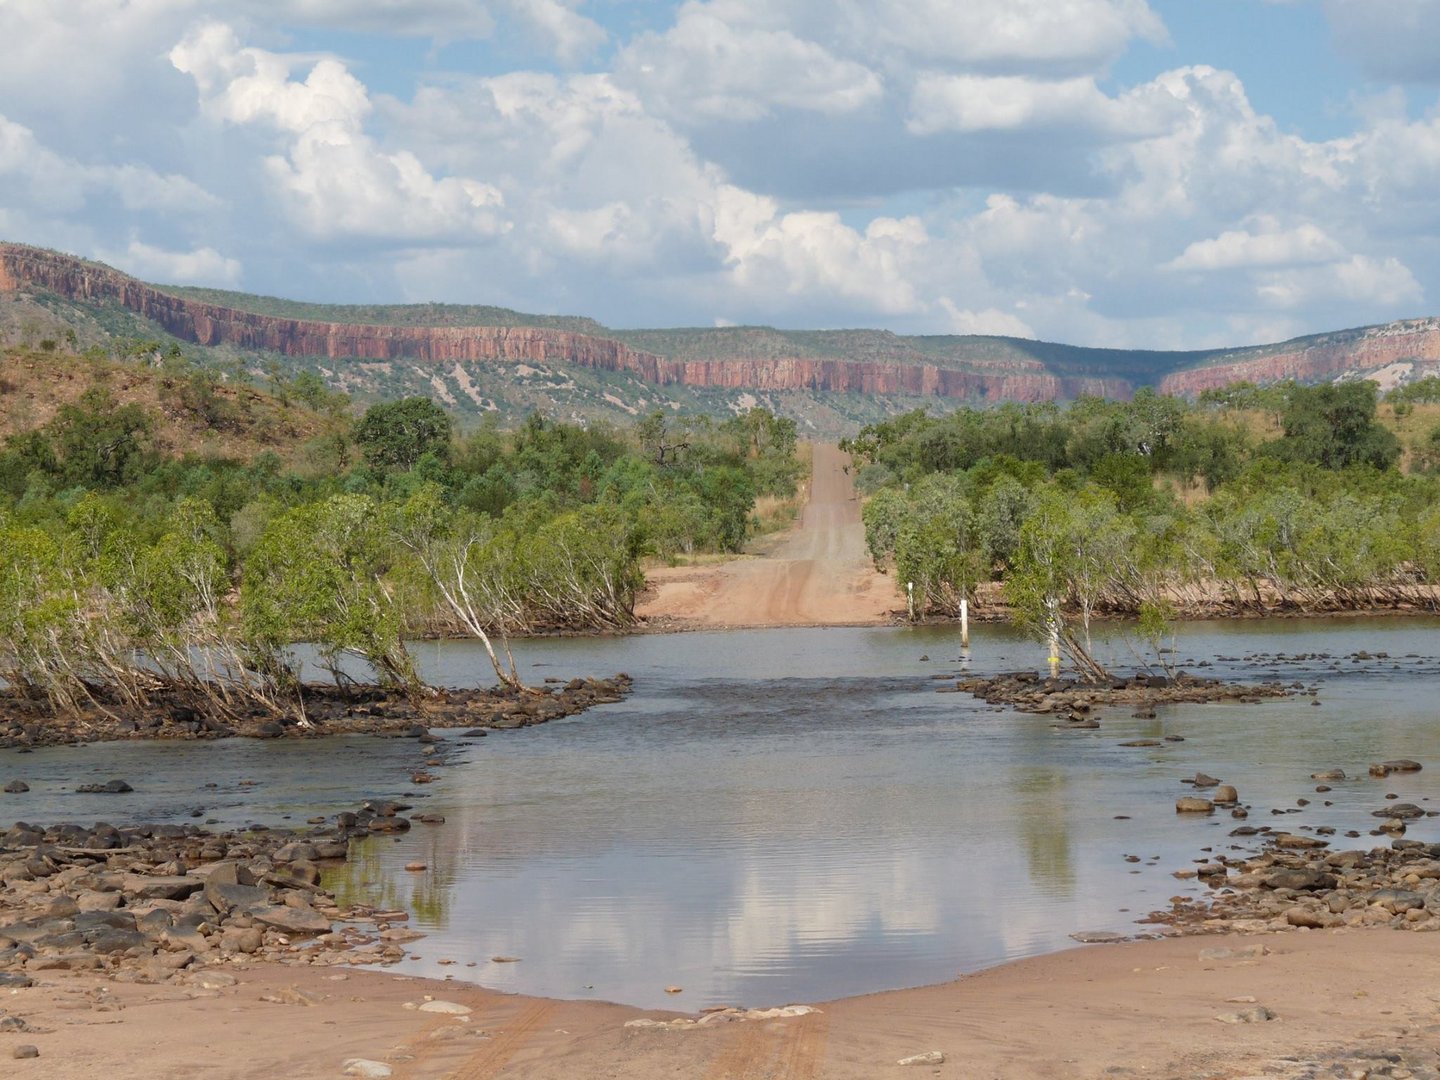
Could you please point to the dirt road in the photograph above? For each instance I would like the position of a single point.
(817, 574)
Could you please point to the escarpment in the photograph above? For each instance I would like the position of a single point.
(972, 369)
(1328, 356)
(210, 324)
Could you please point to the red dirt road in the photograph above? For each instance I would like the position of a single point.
(817, 574)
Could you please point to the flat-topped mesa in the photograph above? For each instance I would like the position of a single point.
(1413, 341)
(24, 267)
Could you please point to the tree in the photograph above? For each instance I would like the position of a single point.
(456, 554)
(1334, 425)
(395, 435)
(317, 575)
(1072, 555)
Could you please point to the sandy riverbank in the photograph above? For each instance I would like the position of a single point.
(1140, 1009)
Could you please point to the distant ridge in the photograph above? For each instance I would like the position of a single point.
(450, 344)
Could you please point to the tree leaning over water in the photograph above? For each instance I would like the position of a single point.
(1254, 499)
(136, 577)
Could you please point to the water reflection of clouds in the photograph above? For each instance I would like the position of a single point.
(845, 829)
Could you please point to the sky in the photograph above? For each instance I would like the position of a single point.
(1129, 173)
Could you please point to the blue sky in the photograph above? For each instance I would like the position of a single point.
(1159, 173)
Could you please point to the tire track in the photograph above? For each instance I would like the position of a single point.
(495, 1055)
(805, 1052)
(745, 1055)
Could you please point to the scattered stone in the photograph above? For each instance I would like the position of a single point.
(1226, 795)
(373, 1070)
(416, 867)
(25, 1051)
(16, 787)
(448, 1008)
(930, 1057)
(1192, 805)
(1256, 1015)
(1204, 780)
(504, 959)
(1402, 765)
(1097, 937)
(674, 989)
(293, 995)
(111, 787)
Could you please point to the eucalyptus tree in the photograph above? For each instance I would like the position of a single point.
(1073, 554)
(458, 554)
(318, 574)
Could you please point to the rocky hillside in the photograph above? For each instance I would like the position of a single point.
(479, 359)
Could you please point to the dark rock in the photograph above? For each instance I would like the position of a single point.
(161, 888)
(1301, 880)
(299, 921)
(117, 941)
(111, 787)
(1404, 811)
(226, 897)
(16, 787)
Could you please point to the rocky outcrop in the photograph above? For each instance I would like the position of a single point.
(978, 378)
(210, 324)
(1413, 341)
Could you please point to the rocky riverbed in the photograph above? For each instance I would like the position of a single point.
(172, 714)
(1075, 701)
(1292, 878)
(178, 904)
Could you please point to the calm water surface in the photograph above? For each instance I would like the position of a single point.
(795, 815)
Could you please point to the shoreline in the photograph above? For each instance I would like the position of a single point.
(1181, 1007)
(363, 711)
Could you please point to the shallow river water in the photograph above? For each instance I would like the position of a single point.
(795, 815)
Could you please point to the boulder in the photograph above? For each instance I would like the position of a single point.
(299, 921)
(1299, 879)
(160, 888)
(1305, 917)
(1192, 805)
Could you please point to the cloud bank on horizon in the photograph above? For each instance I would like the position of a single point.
(1104, 172)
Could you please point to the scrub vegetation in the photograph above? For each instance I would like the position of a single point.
(129, 567)
(1251, 499)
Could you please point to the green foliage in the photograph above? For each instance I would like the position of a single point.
(1334, 426)
(1077, 512)
(318, 575)
(1424, 391)
(395, 435)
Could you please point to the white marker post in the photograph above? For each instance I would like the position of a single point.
(910, 599)
(964, 624)
(1054, 649)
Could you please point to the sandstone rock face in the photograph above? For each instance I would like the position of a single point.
(1414, 341)
(211, 324)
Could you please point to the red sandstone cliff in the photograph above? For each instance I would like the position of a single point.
(208, 324)
(1412, 341)
(1019, 378)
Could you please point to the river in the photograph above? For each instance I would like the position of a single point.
(795, 815)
